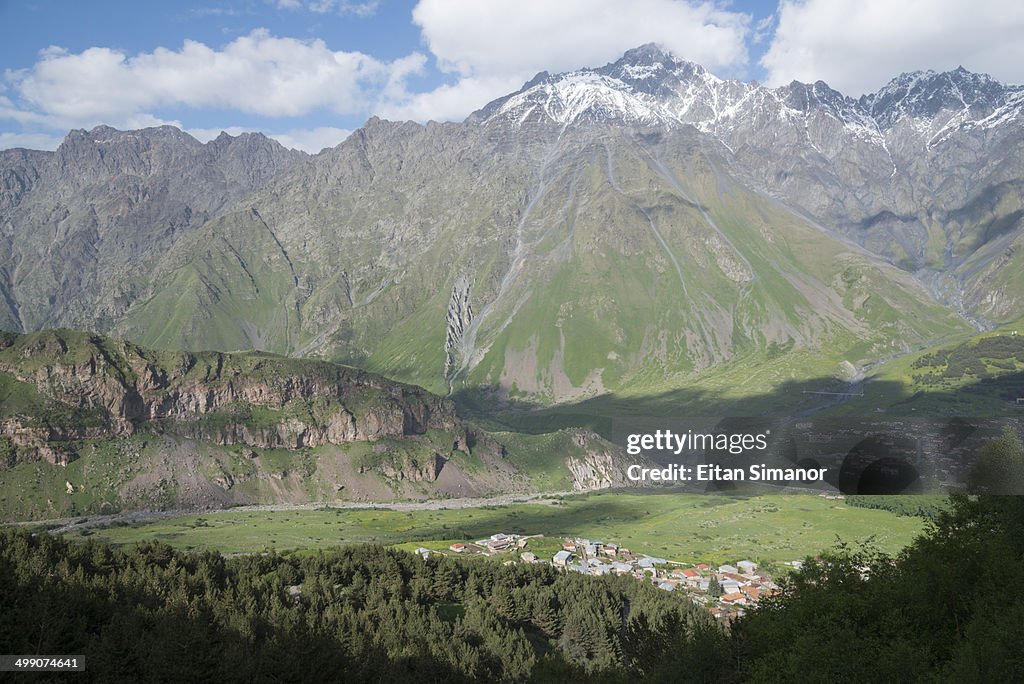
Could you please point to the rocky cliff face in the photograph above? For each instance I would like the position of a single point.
(97, 386)
(600, 466)
(458, 318)
(415, 471)
(131, 428)
(98, 211)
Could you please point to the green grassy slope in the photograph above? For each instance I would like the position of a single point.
(233, 289)
(978, 376)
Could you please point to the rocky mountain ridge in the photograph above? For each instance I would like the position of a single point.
(633, 227)
(88, 386)
(649, 86)
(895, 170)
(90, 424)
(81, 226)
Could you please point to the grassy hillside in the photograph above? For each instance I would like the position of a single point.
(980, 376)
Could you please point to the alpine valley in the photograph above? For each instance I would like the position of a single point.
(642, 237)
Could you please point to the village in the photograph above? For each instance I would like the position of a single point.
(725, 590)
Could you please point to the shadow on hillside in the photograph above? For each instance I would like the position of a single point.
(549, 520)
(871, 437)
(791, 400)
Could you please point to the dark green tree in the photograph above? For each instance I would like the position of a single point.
(999, 466)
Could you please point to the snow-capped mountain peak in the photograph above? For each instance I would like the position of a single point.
(924, 94)
(649, 86)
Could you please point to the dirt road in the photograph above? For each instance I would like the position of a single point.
(65, 525)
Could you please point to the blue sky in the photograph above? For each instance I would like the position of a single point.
(309, 71)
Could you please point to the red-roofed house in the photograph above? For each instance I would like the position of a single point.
(734, 598)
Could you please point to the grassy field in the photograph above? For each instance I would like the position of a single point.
(687, 527)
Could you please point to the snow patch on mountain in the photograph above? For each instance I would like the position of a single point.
(650, 87)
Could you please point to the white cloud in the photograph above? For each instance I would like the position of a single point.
(449, 102)
(33, 141)
(9, 111)
(494, 47)
(484, 38)
(858, 47)
(256, 74)
(311, 140)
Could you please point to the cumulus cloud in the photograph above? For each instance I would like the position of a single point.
(858, 47)
(493, 48)
(256, 74)
(450, 102)
(32, 141)
(9, 111)
(524, 37)
(311, 140)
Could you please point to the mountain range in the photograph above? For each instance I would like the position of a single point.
(626, 230)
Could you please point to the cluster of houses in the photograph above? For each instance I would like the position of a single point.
(725, 589)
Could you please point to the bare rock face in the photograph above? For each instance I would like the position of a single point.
(112, 387)
(598, 467)
(591, 472)
(101, 209)
(415, 471)
(42, 439)
(457, 319)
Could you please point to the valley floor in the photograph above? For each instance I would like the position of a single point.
(772, 528)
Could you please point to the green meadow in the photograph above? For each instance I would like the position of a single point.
(686, 527)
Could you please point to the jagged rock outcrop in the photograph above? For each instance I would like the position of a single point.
(44, 440)
(599, 466)
(97, 386)
(457, 319)
(415, 471)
